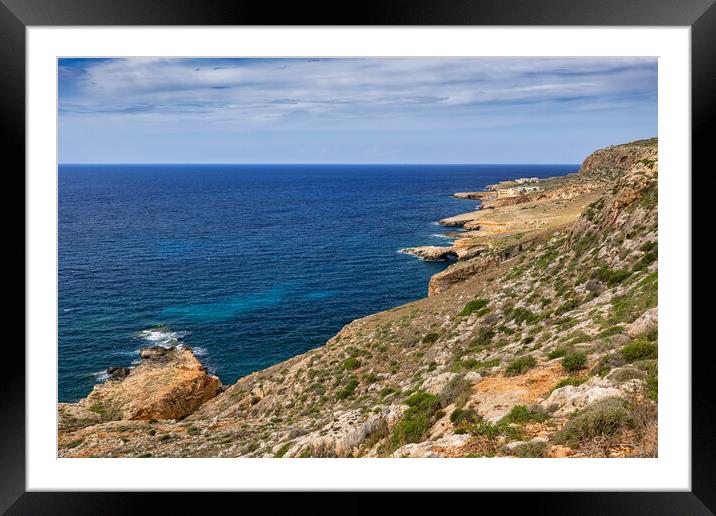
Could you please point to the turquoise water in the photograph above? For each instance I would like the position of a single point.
(248, 264)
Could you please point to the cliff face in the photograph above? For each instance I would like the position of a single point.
(542, 344)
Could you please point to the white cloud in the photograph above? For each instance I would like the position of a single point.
(256, 91)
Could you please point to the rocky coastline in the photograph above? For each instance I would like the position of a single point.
(543, 328)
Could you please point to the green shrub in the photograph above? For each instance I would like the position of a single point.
(485, 428)
(348, 389)
(644, 295)
(612, 277)
(386, 391)
(652, 386)
(522, 414)
(531, 449)
(459, 416)
(520, 315)
(351, 363)
(417, 420)
(370, 378)
(612, 330)
(484, 337)
(557, 353)
(574, 361)
(567, 306)
(520, 365)
(282, 450)
(430, 338)
(646, 260)
(604, 418)
(473, 306)
(639, 350)
(648, 246)
(506, 330)
(483, 311)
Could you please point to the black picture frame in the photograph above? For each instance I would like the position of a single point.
(17, 15)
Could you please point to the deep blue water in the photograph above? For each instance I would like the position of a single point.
(249, 264)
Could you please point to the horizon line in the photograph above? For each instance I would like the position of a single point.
(310, 164)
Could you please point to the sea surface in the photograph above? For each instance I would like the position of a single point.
(247, 264)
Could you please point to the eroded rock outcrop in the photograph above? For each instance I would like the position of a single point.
(169, 383)
(431, 253)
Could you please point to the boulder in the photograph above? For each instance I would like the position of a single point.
(473, 377)
(648, 321)
(341, 437)
(569, 399)
(432, 449)
(438, 384)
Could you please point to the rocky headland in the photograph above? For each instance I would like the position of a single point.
(540, 340)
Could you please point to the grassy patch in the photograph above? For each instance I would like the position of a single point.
(520, 365)
(531, 450)
(567, 306)
(521, 414)
(348, 389)
(430, 338)
(639, 350)
(612, 330)
(646, 260)
(557, 353)
(473, 306)
(351, 363)
(604, 418)
(612, 277)
(460, 416)
(627, 307)
(520, 315)
(574, 361)
(417, 420)
(282, 450)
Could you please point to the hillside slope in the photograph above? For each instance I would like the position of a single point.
(543, 343)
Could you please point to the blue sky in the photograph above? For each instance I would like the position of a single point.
(369, 110)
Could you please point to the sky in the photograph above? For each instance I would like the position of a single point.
(358, 110)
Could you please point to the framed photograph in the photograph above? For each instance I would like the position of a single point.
(416, 248)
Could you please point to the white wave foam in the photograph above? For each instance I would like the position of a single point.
(101, 376)
(163, 337)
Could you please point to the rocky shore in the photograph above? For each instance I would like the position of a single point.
(540, 340)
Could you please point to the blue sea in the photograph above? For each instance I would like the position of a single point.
(248, 264)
